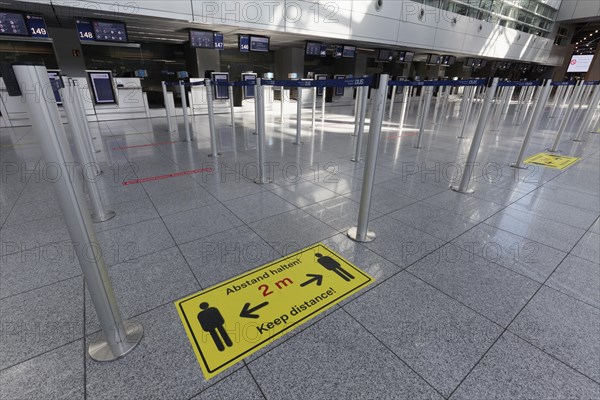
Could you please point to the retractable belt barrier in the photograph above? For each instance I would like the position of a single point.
(519, 83)
(463, 82)
(350, 82)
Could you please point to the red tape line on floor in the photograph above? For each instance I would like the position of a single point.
(172, 175)
(142, 145)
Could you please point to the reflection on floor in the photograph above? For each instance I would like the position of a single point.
(483, 296)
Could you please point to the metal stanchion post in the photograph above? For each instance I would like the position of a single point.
(420, 104)
(568, 95)
(438, 99)
(260, 108)
(99, 212)
(404, 104)
(428, 95)
(410, 96)
(282, 105)
(589, 114)
(534, 122)
(298, 116)
(563, 124)
(357, 113)
(360, 233)
(557, 98)
(467, 114)
(231, 107)
(214, 149)
(80, 115)
(170, 128)
(463, 103)
(186, 120)
(119, 337)
(314, 106)
(509, 97)
(323, 98)
(392, 102)
(476, 142)
(364, 93)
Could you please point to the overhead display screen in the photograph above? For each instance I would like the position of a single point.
(219, 41)
(448, 60)
(384, 55)
(102, 87)
(249, 90)
(259, 43)
(110, 31)
(338, 51)
(12, 24)
(36, 26)
(85, 30)
(433, 59)
(202, 39)
(349, 52)
(580, 63)
(244, 42)
(313, 48)
(406, 56)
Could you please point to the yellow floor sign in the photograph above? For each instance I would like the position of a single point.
(551, 160)
(232, 320)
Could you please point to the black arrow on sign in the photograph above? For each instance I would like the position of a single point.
(247, 311)
(314, 278)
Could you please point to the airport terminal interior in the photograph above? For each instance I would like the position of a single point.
(355, 199)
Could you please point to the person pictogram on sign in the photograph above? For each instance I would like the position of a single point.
(332, 265)
(212, 321)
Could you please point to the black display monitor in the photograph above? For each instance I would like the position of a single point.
(433, 59)
(36, 26)
(13, 24)
(470, 62)
(249, 92)
(110, 31)
(56, 83)
(384, 55)
(244, 43)
(85, 30)
(102, 87)
(219, 41)
(448, 60)
(259, 44)
(312, 48)
(409, 57)
(202, 39)
(481, 63)
(349, 51)
(338, 51)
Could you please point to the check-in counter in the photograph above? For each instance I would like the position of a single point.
(197, 101)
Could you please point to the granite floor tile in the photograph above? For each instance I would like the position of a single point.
(596, 227)
(436, 336)
(200, 222)
(40, 320)
(336, 358)
(384, 200)
(219, 257)
(465, 205)
(239, 385)
(415, 189)
(514, 369)
(303, 193)
(145, 283)
(488, 288)
(401, 243)
(588, 247)
(164, 363)
(292, 231)
(555, 211)
(551, 233)
(258, 206)
(33, 234)
(57, 374)
(522, 255)
(564, 328)
(340, 213)
(578, 278)
(127, 213)
(127, 243)
(435, 221)
(170, 202)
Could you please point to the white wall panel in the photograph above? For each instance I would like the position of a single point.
(322, 20)
(249, 14)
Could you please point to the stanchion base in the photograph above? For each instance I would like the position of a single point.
(578, 140)
(97, 151)
(259, 182)
(417, 147)
(352, 234)
(110, 214)
(101, 351)
(553, 151)
(518, 166)
(457, 190)
(296, 143)
(461, 137)
(171, 131)
(187, 141)
(254, 133)
(355, 160)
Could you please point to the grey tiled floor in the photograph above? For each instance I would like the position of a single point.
(493, 295)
